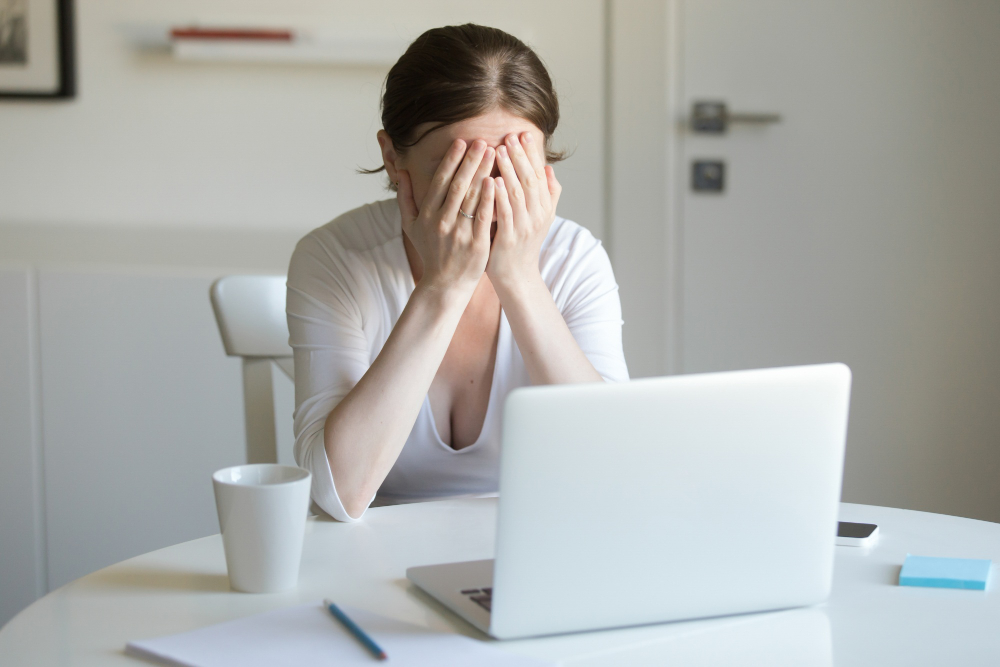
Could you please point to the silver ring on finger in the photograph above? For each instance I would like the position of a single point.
(470, 217)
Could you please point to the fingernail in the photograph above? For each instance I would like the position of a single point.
(526, 137)
(478, 144)
(511, 139)
(502, 151)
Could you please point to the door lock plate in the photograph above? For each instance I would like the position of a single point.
(708, 175)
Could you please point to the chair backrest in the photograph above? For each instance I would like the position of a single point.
(251, 315)
(250, 312)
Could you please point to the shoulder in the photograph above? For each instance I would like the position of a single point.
(364, 228)
(348, 260)
(348, 240)
(570, 246)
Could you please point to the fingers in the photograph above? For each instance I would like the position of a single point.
(472, 197)
(555, 187)
(444, 174)
(522, 166)
(404, 197)
(508, 180)
(484, 214)
(536, 154)
(505, 213)
(463, 179)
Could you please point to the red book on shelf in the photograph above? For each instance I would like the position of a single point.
(237, 34)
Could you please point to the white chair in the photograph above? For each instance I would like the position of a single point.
(250, 311)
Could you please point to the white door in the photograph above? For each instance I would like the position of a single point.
(864, 227)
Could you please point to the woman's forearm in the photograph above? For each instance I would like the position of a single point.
(551, 354)
(527, 193)
(364, 434)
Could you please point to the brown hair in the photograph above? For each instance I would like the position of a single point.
(454, 73)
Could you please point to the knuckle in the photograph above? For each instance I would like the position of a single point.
(457, 187)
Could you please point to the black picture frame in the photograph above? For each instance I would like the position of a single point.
(65, 59)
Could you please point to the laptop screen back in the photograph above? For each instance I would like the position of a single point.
(668, 498)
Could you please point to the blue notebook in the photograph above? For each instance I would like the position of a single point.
(967, 573)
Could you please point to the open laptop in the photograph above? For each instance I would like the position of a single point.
(659, 499)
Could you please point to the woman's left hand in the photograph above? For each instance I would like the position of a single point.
(526, 196)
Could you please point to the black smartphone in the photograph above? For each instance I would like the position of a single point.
(856, 534)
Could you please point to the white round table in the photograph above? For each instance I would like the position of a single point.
(868, 620)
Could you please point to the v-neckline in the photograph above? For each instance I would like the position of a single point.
(497, 366)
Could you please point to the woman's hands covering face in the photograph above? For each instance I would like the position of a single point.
(453, 249)
(527, 193)
(456, 250)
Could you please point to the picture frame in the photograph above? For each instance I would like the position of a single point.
(37, 49)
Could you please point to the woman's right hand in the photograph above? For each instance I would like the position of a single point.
(453, 249)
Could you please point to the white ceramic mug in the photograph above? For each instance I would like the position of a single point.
(262, 514)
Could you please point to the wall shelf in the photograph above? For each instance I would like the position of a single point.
(266, 45)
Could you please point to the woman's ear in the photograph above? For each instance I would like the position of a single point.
(390, 158)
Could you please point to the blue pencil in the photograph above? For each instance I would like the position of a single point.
(353, 628)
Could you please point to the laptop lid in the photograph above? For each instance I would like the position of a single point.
(668, 498)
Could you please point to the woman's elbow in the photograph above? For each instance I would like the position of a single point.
(355, 506)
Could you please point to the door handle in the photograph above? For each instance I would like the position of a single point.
(715, 117)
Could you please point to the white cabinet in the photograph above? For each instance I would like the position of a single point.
(117, 403)
(21, 527)
(139, 406)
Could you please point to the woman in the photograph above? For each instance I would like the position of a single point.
(412, 319)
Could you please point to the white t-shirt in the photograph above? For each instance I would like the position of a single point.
(348, 283)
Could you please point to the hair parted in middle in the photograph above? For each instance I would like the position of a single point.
(454, 73)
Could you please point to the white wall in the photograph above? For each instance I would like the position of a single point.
(151, 142)
(116, 405)
(641, 179)
(116, 401)
(139, 406)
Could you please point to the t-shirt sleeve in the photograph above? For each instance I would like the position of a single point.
(331, 354)
(579, 274)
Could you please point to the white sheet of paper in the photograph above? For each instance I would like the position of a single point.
(308, 635)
